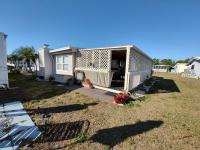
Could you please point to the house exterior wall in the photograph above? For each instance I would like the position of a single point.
(45, 66)
(196, 68)
(161, 68)
(3, 60)
(23, 65)
(180, 67)
(63, 76)
(96, 64)
(41, 63)
(139, 69)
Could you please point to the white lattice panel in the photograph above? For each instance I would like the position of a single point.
(97, 60)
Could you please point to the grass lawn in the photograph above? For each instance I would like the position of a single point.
(167, 119)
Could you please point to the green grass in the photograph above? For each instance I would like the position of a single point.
(81, 138)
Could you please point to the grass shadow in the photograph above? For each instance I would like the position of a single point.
(29, 89)
(63, 131)
(50, 110)
(60, 109)
(163, 85)
(116, 135)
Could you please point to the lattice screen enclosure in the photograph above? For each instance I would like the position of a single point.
(96, 60)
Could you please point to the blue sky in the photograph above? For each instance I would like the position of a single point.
(161, 28)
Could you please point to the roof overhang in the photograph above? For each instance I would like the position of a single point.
(120, 48)
(63, 50)
(141, 52)
(163, 65)
(69, 49)
(193, 59)
(111, 48)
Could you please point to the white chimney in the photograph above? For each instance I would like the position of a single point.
(3, 61)
(46, 46)
(45, 62)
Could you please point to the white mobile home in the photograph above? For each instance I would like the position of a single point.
(3, 61)
(119, 67)
(161, 68)
(193, 68)
(179, 67)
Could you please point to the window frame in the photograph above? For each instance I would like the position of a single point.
(62, 63)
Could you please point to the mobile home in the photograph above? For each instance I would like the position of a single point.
(161, 68)
(179, 68)
(3, 61)
(118, 67)
(193, 68)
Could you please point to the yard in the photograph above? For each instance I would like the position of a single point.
(167, 119)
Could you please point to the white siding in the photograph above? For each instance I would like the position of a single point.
(3, 60)
(139, 69)
(196, 68)
(62, 78)
(48, 64)
(45, 66)
(180, 67)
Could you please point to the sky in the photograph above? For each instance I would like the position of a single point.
(160, 28)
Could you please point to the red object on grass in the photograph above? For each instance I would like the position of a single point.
(117, 99)
(120, 98)
(124, 97)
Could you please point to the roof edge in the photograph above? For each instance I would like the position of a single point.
(141, 52)
(63, 49)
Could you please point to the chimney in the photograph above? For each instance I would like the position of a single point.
(46, 46)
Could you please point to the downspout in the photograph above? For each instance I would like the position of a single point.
(74, 53)
(52, 72)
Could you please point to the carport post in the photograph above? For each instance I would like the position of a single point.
(126, 84)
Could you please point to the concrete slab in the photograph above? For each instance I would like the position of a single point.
(94, 93)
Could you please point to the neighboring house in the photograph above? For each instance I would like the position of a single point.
(193, 68)
(161, 68)
(119, 67)
(3, 61)
(22, 65)
(179, 68)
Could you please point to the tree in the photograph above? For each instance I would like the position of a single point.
(187, 60)
(34, 59)
(156, 61)
(167, 62)
(27, 54)
(13, 58)
(183, 61)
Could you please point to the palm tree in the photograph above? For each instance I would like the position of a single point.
(34, 60)
(27, 54)
(13, 58)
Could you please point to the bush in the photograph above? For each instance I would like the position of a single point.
(15, 70)
(51, 78)
(70, 82)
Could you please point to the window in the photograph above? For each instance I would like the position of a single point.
(62, 62)
(192, 67)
